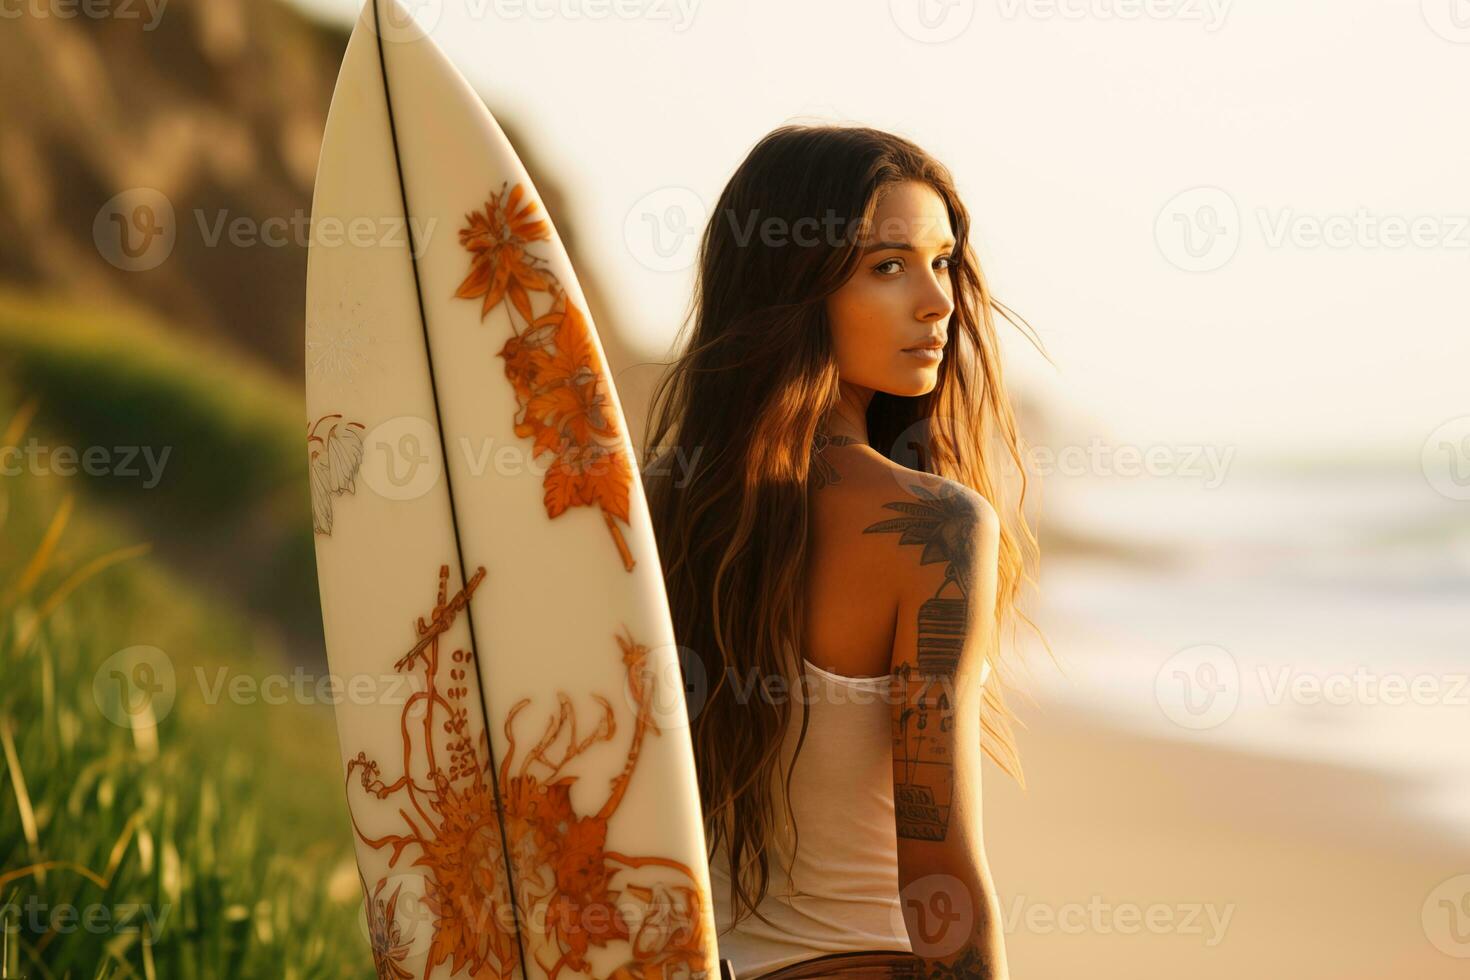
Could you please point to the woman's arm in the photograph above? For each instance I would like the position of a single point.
(945, 624)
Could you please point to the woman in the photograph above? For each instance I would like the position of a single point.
(826, 507)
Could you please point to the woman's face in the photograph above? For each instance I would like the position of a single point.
(899, 300)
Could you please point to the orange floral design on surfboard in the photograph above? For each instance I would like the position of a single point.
(570, 898)
(551, 361)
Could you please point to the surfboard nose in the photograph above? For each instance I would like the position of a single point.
(399, 22)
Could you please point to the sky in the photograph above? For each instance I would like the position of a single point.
(1238, 223)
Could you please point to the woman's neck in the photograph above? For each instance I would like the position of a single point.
(848, 419)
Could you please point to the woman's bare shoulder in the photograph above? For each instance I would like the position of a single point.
(858, 478)
(882, 535)
(900, 518)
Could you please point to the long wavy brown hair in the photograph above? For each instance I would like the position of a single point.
(728, 450)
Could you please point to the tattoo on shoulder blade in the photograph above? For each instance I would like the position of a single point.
(942, 523)
(824, 474)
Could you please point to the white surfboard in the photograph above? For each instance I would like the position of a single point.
(485, 555)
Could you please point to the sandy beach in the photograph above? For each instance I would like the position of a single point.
(1254, 867)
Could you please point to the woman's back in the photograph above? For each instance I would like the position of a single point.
(836, 889)
(852, 593)
(841, 892)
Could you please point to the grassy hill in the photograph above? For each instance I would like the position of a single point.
(152, 824)
(219, 106)
(225, 500)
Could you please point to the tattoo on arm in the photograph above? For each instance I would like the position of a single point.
(943, 523)
(968, 967)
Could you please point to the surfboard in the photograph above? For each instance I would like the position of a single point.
(509, 702)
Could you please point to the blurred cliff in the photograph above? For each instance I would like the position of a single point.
(216, 104)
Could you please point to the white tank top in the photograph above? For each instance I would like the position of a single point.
(842, 892)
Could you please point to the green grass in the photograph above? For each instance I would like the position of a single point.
(226, 821)
(234, 478)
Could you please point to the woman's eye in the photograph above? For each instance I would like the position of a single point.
(948, 260)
